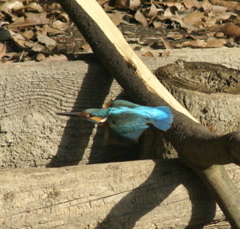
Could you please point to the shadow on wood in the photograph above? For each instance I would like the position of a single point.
(137, 194)
(93, 92)
(197, 147)
(153, 194)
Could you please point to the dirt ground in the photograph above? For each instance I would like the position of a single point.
(41, 31)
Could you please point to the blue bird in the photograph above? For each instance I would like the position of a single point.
(127, 120)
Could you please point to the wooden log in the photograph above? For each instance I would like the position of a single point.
(197, 147)
(31, 94)
(211, 92)
(137, 194)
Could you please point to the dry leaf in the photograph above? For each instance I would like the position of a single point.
(157, 24)
(165, 53)
(219, 34)
(50, 43)
(174, 4)
(16, 57)
(175, 35)
(194, 17)
(134, 4)
(192, 3)
(18, 22)
(230, 5)
(31, 19)
(215, 43)
(231, 30)
(141, 18)
(8, 56)
(225, 16)
(40, 57)
(19, 41)
(11, 5)
(61, 25)
(37, 18)
(47, 30)
(127, 4)
(219, 9)
(12, 16)
(55, 58)
(38, 48)
(121, 4)
(29, 34)
(3, 50)
(117, 18)
(189, 27)
(166, 43)
(152, 12)
(64, 16)
(207, 6)
(147, 54)
(194, 44)
(35, 6)
(30, 43)
(86, 47)
(168, 13)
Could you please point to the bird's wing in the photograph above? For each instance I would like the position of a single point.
(164, 119)
(127, 124)
(121, 103)
(111, 138)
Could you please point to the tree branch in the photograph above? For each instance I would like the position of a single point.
(197, 147)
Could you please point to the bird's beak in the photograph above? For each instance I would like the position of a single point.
(73, 114)
(84, 115)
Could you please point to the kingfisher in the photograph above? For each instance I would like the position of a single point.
(126, 120)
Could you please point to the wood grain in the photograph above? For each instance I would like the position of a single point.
(136, 194)
(31, 94)
(140, 194)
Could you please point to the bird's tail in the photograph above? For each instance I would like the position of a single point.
(165, 123)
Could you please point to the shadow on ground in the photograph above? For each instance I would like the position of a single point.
(149, 195)
(73, 148)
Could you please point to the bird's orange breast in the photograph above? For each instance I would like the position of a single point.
(96, 118)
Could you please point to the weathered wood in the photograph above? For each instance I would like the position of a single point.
(46, 211)
(119, 59)
(211, 92)
(197, 147)
(31, 94)
(29, 111)
(140, 194)
(95, 14)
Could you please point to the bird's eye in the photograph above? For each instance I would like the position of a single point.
(90, 115)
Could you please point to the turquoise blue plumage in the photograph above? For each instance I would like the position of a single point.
(127, 120)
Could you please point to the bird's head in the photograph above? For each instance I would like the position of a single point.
(96, 116)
